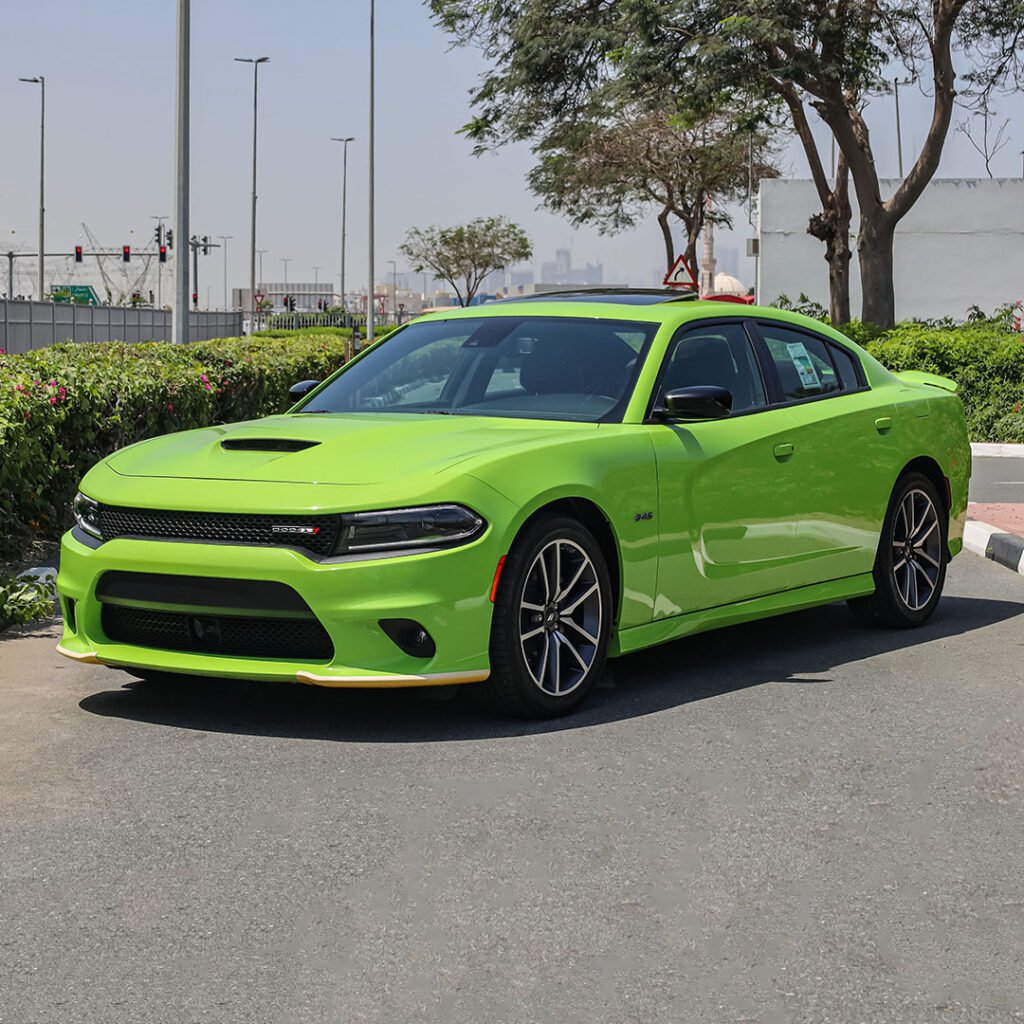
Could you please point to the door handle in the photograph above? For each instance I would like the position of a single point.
(782, 451)
(883, 424)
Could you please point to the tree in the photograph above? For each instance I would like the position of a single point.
(831, 56)
(464, 255)
(612, 173)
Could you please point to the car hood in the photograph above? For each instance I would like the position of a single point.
(341, 449)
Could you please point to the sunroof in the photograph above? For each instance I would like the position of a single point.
(639, 297)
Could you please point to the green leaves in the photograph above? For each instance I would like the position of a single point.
(24, 598)
(64, 408)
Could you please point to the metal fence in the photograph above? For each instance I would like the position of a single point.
(29, 325)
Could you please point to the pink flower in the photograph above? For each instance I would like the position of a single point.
(19, 387)
(62, 392)
(203, 377)
(170, 407)
(209, 387)
(53, 384)
(53, 401)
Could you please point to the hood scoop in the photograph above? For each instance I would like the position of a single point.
(265, 444)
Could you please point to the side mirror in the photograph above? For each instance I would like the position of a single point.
(302, 389)
(699, 402)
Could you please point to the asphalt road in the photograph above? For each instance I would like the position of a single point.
(792, 821)
(997, 480)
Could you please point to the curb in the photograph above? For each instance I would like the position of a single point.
(985, 450)
(1007, 549)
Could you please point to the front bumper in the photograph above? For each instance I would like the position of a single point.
(447, 592)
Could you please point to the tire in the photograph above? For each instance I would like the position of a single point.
(552, 616)
(909, 571)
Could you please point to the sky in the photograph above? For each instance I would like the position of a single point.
(109, 67)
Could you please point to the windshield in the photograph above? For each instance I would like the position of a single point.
(557, 368)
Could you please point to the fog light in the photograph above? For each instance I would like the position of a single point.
(410, 637)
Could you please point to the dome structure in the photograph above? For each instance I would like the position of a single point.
(726, 284)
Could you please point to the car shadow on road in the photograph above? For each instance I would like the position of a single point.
(795, 648)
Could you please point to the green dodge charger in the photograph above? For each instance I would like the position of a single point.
(507, 496)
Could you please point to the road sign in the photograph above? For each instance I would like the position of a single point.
(681, 275)
(260, 296)
(82, 294)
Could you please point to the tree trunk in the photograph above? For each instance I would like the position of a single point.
(832, 226)
(874, 254)
(666, 234)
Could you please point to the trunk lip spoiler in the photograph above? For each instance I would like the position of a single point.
(932, 379)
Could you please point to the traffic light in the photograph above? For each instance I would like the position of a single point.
(163, 253)
(195, 299)
(206, 245)
(126, 254)
(78, 254)
(158, 234)
(170, 238)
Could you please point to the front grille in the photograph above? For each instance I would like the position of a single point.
(221, 527)
(250, 637)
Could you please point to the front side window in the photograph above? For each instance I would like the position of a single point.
(802, 361)
(718, 354)
(559, 368)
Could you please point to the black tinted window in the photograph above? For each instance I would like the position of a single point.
(846, 368)
(802, 361)
(719, 355)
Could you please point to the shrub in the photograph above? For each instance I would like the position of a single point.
(24, 598)
(63, 408)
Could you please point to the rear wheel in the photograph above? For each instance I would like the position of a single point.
(910, 566)
(552, 612)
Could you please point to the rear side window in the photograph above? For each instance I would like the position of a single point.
(803, 363)
(845, 367)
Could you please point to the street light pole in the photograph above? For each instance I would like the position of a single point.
(179, 305)
(344, 204)
(286, 260)
(394, 289)
(899, 134)
(40, 80)
(224, 239)
(255, 62)
(369, 290)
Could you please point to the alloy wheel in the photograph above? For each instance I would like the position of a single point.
(916, 549)
(560, 617)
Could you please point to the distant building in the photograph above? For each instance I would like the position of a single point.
(562, 272)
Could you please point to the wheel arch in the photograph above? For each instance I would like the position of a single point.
(927, 466)
(590, 515)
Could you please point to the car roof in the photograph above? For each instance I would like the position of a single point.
(620, 296)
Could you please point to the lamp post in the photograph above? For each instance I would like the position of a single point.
(41, 82)
(897, 82)
(286, 260)
(255, 62)
(261, 253)
(369, 203)
(224, 239)
(344, 189)
(394, 290)
(179, 304)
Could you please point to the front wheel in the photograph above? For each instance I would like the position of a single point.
(910, 566)
(552, 615)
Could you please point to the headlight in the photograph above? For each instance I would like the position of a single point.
(428, 526)
(87, 515)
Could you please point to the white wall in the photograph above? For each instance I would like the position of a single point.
(962, 244)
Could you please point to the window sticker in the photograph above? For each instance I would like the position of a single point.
(804, 365)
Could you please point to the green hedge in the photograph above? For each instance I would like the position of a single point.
(63, 408)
